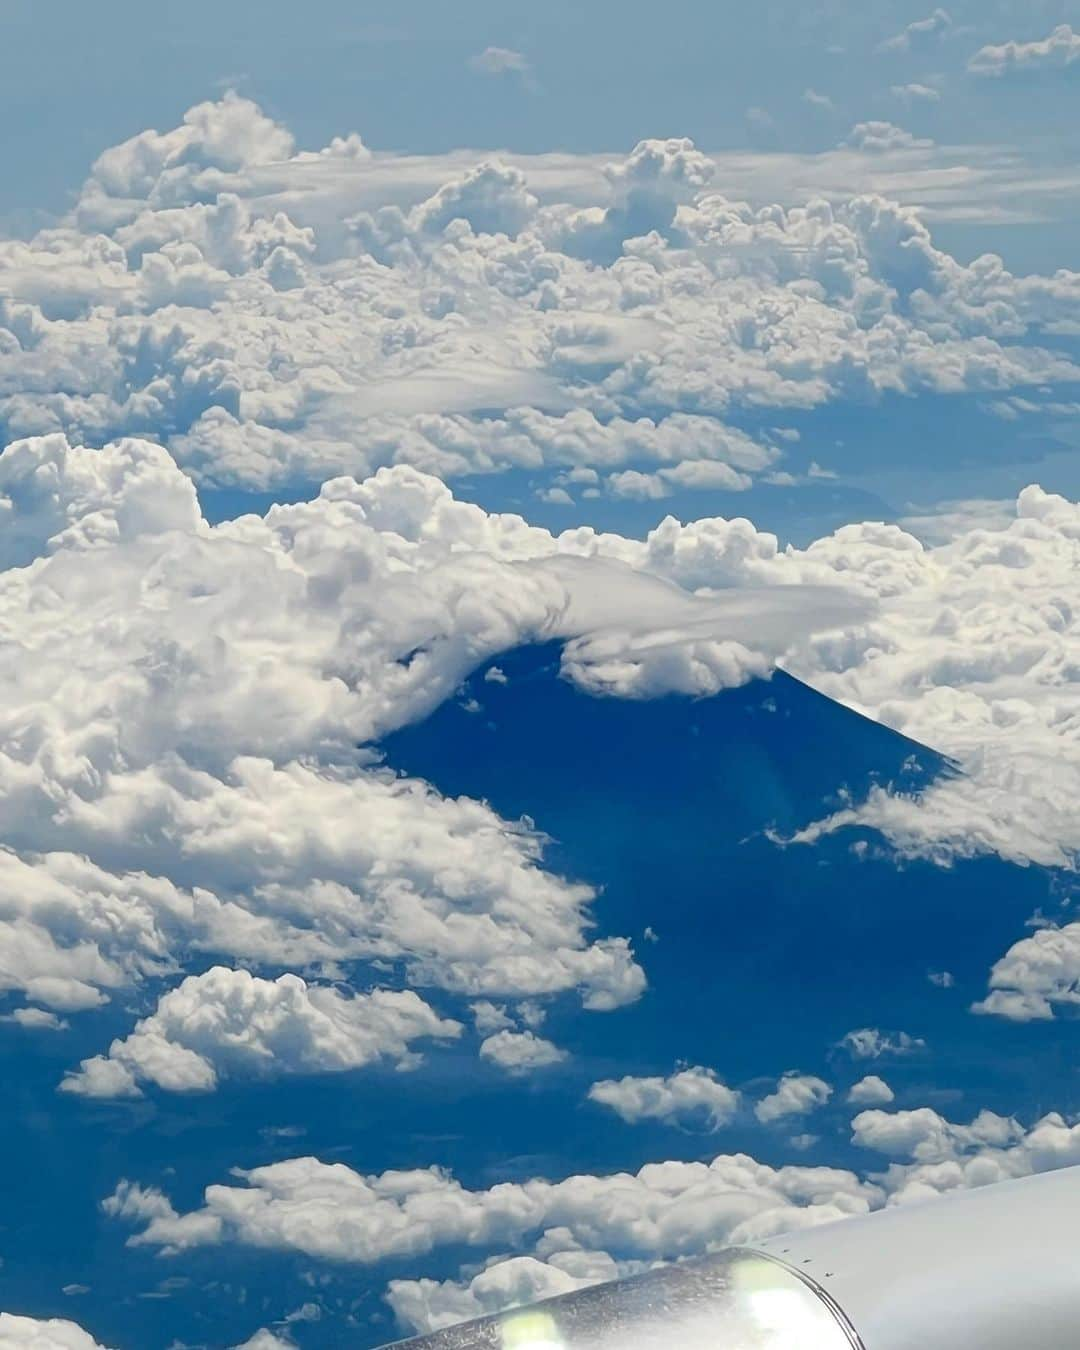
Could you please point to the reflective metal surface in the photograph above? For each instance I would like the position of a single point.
(736, 1300)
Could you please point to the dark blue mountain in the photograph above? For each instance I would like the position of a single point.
(759, 958)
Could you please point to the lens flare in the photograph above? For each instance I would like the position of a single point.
(531, 1331)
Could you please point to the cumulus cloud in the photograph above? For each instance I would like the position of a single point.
(178, 745)
(520, 1052)
(428, 1305)
(882, 137)
(689, 1096)
(36, 1019)
(177, 748)
(1059, 51)
(584, 1229)
(1037, 977)
(664, 1211)
(265, 1339)
(273, 319)
(490, 1017)
(870, 1043)
(229, 1023)
(920, 34)
(949, 1156)
(927, 1137)
(916, 93)
(796, 1094)
(30, 1333)
(871, 1091)
(977, 658)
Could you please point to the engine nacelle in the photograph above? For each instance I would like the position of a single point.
(995, 1268)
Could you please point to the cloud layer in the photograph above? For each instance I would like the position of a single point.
(585, 1228)
(178, 748)
(275, 316)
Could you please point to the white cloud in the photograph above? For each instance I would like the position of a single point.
(177, 748)
(817, 99)
(264, 1339)
(1037, 976)
(950, 519)
(178, 743)
(30, 1333)
(948, 1156)
(974, 653)
(490, 1017)
(797, 1094)
(927, 1137)
(802, 1142)
(915, 93)
(664, 1211)
(520, 1052)
(881, 138)
(694, 474)
(921, 34)
(35, 1019)
(499, 61)
(583, 1229)
(689, 1096)
(871, 1091)
(178, 759)
(1059, 51)
(428, 1305)
(229, 1023)
(277, 316)
(870, 1043)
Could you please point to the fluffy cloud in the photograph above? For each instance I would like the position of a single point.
(796, 1094)
(871, 1091)
(428, 1305)
(881, 137)
(920, 34)
(664, 1211)
(1036, 976)
(155, 801)
(1059, 51)
(976, 658)
(276, 316)
(689, 1096)
(177, 747)
(915, 93)
(584, 1229)
(36, 1019)
(230, 1023)
(520, 1052)
(948, 1156)
(178, 744)
(927, 1137)
(28, 1333)
(870, 1043)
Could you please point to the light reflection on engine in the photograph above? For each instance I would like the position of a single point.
(736, 1300)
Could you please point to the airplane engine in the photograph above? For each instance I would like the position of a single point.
(997, 1268)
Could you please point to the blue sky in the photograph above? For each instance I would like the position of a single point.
(596, 78)
(540, 646)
